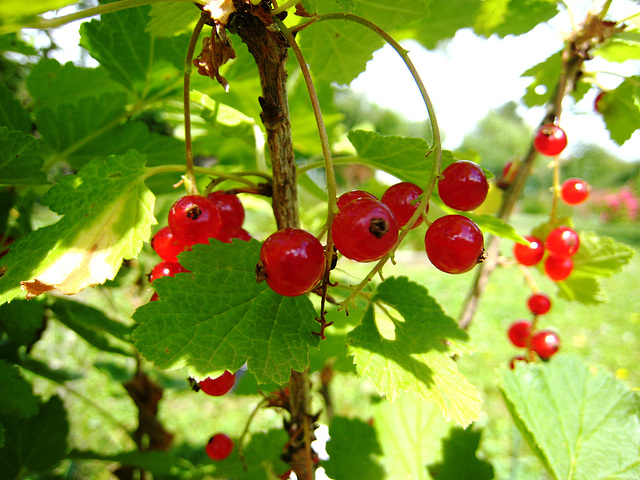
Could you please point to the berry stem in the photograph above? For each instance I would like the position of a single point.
(236, 177)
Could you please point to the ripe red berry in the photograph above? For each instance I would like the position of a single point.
(364, 230)
(218, 386)
(293, 261)
(531, 254)
(403, 199)
(166, 246)
(219, 446)
(598, 104)
(454, 244)
(562, 241)
(227, 234)
(230, 208)
(574, 191)
(550, 140)
(166, 269)
(352, 195)
(194, 219)
(539, 303)
(463, 186)
(519, 333)
(509, 172)
(545, 343)
(558, 268)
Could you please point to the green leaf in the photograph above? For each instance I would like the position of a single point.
(93, 326)
(414, 354)
(12, 114)
(496, 226)
(169, 19)
(58, 375)
(621, 110)
(618, 51)
(154, 462)
(218, 317)
(513, 17)
(390, 15)
(20, 160)
(582, 425)
(12, 42)
(22, 320)
(36, 444)
(17, 399)
(404, 157)
(443, 20)
(69, 82)
(545, 77)
(353, 451)
(459, 461)
(107, 215)
(15, 13)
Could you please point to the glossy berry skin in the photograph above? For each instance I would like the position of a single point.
(550, 140)
(218, 386)
(166, 246)
(562, 241)
(558, 268)
(403, 199)
(531, 254)
(219, 447)
(352, 195)
(454, 244)
(194, 219)
(545, 343)
(574, 191)
(519, 333)
(463, 186)
(230, 208)
(166, 269)
(227, 234)
(293, 261)
(364, 230)
(539, 303)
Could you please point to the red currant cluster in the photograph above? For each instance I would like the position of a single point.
(195, 219)
(559, 246)
(524, 334)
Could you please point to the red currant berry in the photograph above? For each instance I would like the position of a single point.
(558, 268)
(531, 254)
(509, 172)
(539, 303)
(230, 208)
(166, 269)
(364, 230)
(219, 446)
(154, 297)
(227, 234)
(598, 104)
(550, 140)
(463, 186)
(516, 359)
(403, 199)
(218, 386)
(454, 244)
(194, 219)
(562, 241)
(574, 191)
(545, 343)
(352, 195)
(166, 246)
(293, 261)
(519, 333)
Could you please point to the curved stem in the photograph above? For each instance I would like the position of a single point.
(190, 178)
(238, 177)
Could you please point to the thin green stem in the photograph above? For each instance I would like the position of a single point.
(45, 23)
(238, 176)
(626, 19)
(285, 6)
(190, 178)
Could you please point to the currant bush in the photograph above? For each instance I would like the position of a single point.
(550, 140)
(545, 343)
(219, 446)
(194, 219)
(463, 186)
(454, 244)
(531, 254)
(218, 386)
(403, 199)
(574, 191)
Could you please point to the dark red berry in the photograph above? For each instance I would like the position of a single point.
(550, 140)
(574, 191)
(539, 303)
(598, 104)
(454, 244)
(166, 246)
(352, 195)
(531, 254)
(562, 241)
(154, 297)
(230, 208)
(166, 269)
(219, 446)
(293, 261)
(227, 234)
(519, 333)
(403, 199)
(558, 268)
(194, 219)
(218, 386)
(364, 230)
(545, 343)
(463, 186)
